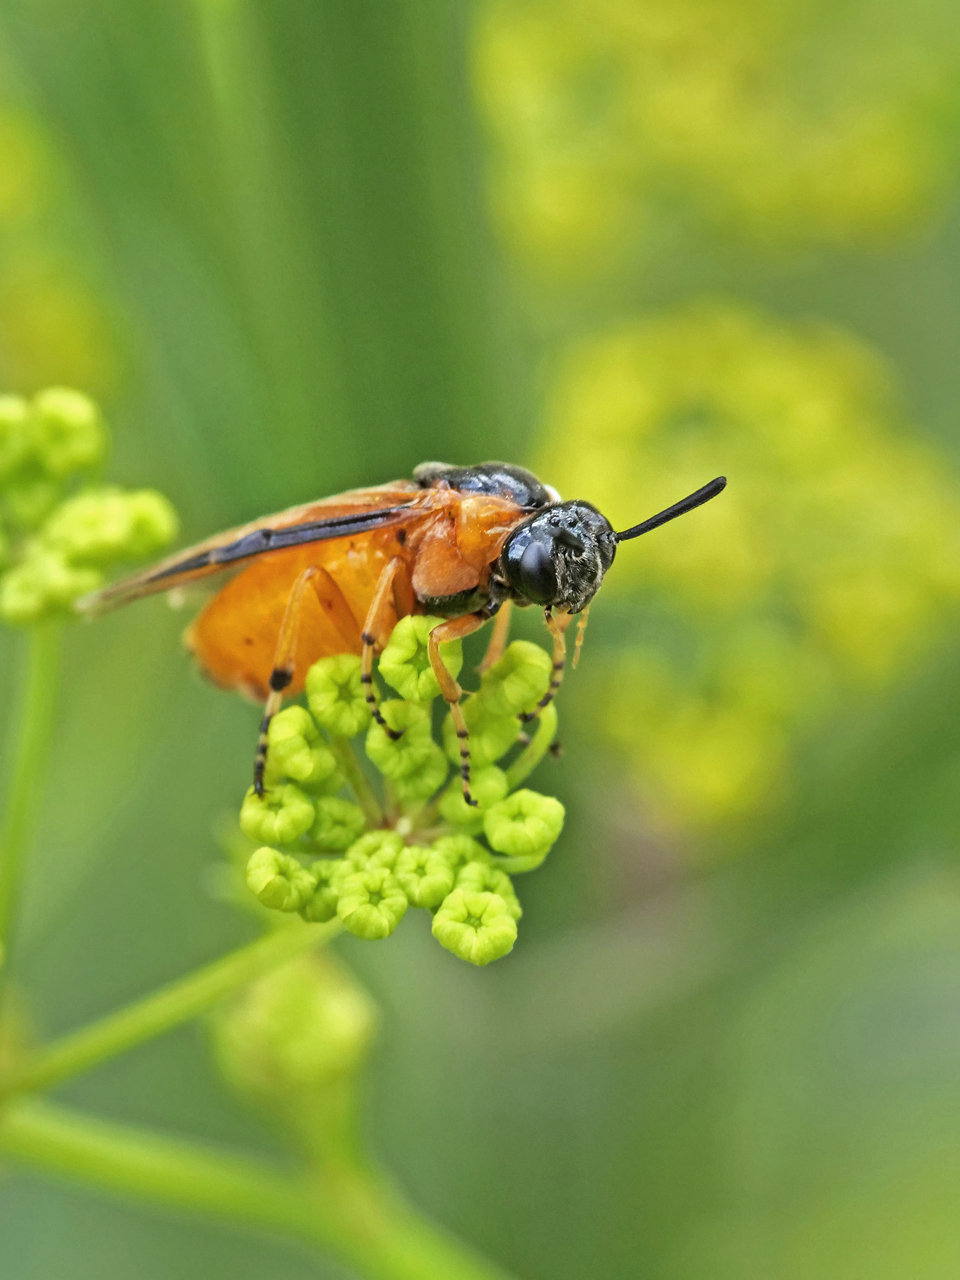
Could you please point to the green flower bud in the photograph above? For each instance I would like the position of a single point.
(322, 906)
(524, 826)
(459, 849)
(18, 435)
(375, 849)
(338, 823)
(492, 734)
(295, 750)
(335, 695)
(477, 927)
(371, 902)
(295, 1031)
(417, 787)
(405, 662)
(29, 500)
(153, 524)
(281, 815)
(279, 881)
(487, 786)
(518, 680)
(103, 525)
(426, 876)
(408, 754)
(482, 877)
(72, 434)
(43, 583)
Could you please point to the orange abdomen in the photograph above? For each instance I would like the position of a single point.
(234, 638)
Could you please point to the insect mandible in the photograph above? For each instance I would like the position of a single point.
(335, 576)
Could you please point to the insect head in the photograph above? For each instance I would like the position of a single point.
(557, 558)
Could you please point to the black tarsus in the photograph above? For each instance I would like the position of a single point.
(680, 508)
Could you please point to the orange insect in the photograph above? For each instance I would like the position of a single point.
(335, 576)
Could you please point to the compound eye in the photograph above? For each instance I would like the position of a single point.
(538, 579)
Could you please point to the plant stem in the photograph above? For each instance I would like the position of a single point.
(34, 727)
(531, 756)
(163, 1010)
(366, 796)
(347, 1210)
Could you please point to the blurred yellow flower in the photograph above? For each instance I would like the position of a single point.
(779, 119)
(830, 562)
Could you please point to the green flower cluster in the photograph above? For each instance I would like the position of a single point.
(366, 860)
(59, 531)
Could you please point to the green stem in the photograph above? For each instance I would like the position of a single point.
(531, 756)
(34, 727)
(366, 796)
(346, 1210)
(163, 1010)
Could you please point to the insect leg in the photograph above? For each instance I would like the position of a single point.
(557, 625)
(281, 674)
(581, 628)
(372, 634)
(498, 637)
(335, 606)
(455, 629)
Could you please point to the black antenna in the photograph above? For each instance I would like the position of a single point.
(678, 509)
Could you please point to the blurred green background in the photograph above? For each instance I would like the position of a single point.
(300, 246)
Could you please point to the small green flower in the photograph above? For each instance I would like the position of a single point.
(281, 815)
(480, 876)
(375, 849)
(322, 906)
(43, 583)
(477, 927)
(492, 733)
(72, 434)
(286, 1037)
(29, 499)
(518, 680)
(295, 750)
(18, 435)
(335, 695)
(103, 525)
(405, 662)
(153, 523)
(458, 850)
(524, 825)
(415, 788)
(279, 881)
(371, 902)
(487, 786)
(412, 751)
(338, 824)
(425, 875)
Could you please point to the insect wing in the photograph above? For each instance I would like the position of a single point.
(357, 512)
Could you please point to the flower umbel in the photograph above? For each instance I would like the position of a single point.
(431, 851)
(60, 532)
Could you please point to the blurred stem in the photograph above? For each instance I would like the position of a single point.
(359, 784)
(531, 756)
(165, 1009)
(346, 1209)
(34, 725)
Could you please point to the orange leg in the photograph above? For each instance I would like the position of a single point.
(498, 637)
(333, 603)
(455, 629)
(281, 674)
(390, 584)
(557, 625)
(581, 628)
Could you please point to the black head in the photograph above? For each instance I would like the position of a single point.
(558, 557)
